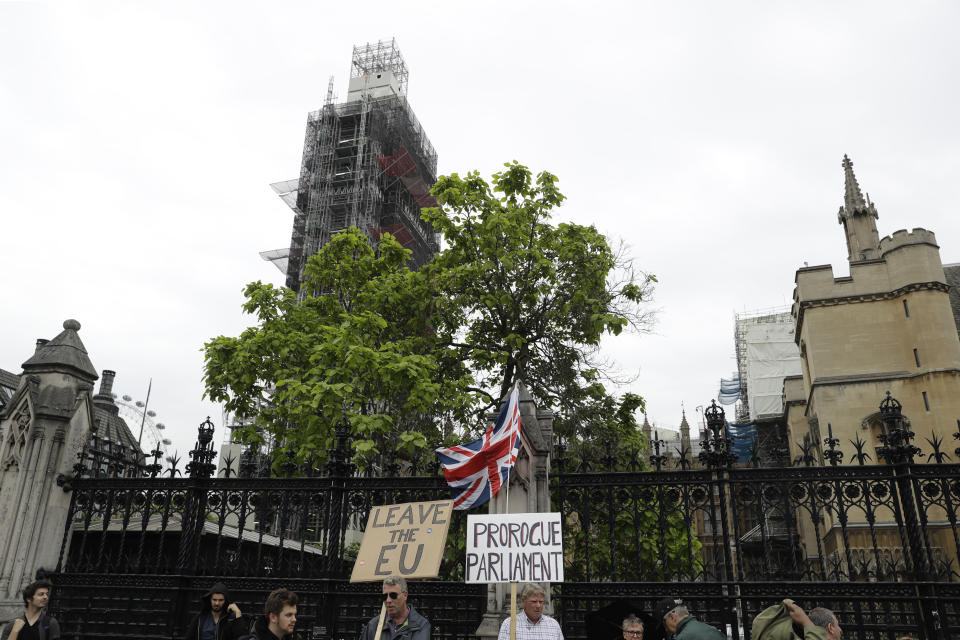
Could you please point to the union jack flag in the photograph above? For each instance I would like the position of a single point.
(476, 470)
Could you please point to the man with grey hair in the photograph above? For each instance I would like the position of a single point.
(818, 617)
(403, 622)
(676, 619)
(632, 628)
(532, 624)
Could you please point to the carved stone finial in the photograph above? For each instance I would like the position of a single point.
(853, 201)
(71, 324)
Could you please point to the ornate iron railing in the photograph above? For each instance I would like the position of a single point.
(137, 551)
(877, 543)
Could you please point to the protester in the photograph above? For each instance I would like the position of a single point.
(279, 616)
(403, 622)
(788, 621)
(532, 624)
(632, 628)
(219, 618)
(676, 618)
(823, 618)
(34, 624)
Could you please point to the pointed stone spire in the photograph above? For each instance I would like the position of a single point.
(858, 215)
(66, 351)
(647, 429)
(684, 430)
(852, 198)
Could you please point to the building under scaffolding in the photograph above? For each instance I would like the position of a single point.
(766, 354)
(367, 163)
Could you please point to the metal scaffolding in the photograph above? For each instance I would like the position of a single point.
(367, 163)
(382, 56)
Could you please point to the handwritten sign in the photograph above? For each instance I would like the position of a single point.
(403, 539)
(518, 547)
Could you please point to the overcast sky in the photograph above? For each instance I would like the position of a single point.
(138, 140)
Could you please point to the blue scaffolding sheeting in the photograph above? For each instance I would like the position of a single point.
(729, 390)
(742, 435)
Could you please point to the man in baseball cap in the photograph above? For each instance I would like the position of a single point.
(673, 614)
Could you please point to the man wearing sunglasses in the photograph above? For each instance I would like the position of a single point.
(403, 622)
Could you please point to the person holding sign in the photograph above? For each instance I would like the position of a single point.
(403, 622)
(532, 624)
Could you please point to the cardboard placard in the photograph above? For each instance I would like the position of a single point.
(403, 539)
(516, 547)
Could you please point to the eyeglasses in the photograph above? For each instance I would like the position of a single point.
(393, 595)
(635, 634)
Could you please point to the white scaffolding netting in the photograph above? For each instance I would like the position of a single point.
(770, 356)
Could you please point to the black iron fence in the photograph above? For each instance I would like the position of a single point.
(877, 543)
(138, 552)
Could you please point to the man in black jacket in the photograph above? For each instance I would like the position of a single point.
(279, 617)
(34, 624)
(219, 618)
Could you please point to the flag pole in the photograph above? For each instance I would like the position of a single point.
(516, 386)
(513, 583)
(513, 611)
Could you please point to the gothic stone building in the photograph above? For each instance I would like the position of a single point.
(891, 325)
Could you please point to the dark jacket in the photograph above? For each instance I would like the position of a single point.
(48, 627)
(692, 629)
(228, 628)
(416, 628)
(261, 630)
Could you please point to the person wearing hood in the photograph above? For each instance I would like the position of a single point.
(219, 618)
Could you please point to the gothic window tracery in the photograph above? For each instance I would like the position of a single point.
(16, 443)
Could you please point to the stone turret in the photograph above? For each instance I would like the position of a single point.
(42, 428)
(858, 217)
(887, 326)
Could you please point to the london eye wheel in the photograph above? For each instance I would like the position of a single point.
(135, 413)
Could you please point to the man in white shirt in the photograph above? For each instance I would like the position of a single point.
(532, 624)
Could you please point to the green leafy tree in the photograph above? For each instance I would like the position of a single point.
(361, 347)
(406, 357)
(533, 299)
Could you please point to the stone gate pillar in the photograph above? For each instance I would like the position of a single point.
(42, 429)
(529, 492)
